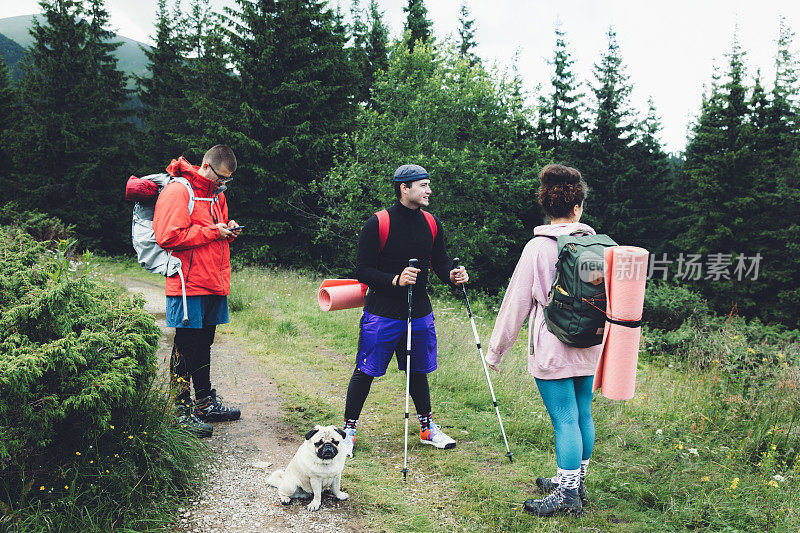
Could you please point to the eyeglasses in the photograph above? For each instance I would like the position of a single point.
(226, 179)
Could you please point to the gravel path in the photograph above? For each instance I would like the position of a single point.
(236, 498)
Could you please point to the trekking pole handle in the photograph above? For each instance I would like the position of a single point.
(413, 263)
(455, 263)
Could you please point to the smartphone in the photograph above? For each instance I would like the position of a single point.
(237, 227)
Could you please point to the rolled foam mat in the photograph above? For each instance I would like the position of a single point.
(336, 294)
(625, 279)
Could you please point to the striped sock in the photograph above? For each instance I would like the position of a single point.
(425, 421)
(350, 423)
(569, 479)
(584, 466)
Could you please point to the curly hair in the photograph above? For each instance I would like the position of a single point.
(561, 189)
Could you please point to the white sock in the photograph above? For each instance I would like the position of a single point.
(584, 466)
(569, 479)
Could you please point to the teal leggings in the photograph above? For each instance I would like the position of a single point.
(569, 404)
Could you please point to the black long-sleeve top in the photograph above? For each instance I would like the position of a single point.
(409, 237)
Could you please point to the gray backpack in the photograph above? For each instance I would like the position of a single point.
(149, 254)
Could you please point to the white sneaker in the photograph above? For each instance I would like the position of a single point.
(349, 442)
(436, 437)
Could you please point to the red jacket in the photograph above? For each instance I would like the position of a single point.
(195, 238)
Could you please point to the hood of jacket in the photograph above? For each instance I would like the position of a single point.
(555, 230)
(204, 187)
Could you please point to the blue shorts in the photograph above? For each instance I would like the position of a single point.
(382, 337)
(205, 310)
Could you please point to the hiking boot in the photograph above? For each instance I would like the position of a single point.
(185, 419)
(436, 437)
(560, 501)
(349, 441)
(547, 485)
(212, 410)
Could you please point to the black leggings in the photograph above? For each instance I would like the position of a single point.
(191, 359)
(359, 386)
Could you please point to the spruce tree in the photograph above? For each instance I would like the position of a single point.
(7, 110)
(161, 91)
(650, 208)
(71, 137)
(297, 88)
(721, 196)
(417, 22)
(560, 123)
(775, 187)
(211, 90)
(377, 44)
(466, 35)
(606, 161)
(359, 55)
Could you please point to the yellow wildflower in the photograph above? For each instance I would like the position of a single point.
(772, 483)
(41, 488)
(77, 453)
(705, 478)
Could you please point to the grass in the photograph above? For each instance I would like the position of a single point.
(698, 448)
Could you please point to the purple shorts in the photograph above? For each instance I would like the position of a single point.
(383, 337)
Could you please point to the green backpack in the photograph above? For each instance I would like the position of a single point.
(576, 304)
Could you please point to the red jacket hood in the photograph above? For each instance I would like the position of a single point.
(203, 186)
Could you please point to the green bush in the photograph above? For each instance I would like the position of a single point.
(85, 435)
(668, 306)
(41, 227)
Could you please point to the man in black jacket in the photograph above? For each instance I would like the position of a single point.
(387, 241)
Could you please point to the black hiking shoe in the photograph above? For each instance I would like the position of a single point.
(184, 418)
(211, 409)
(560, 501)
(546, 486)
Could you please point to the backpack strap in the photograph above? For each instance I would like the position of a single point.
(383, 228)
(192, 198)
(431, 223)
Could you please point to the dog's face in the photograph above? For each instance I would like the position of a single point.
(326, 441)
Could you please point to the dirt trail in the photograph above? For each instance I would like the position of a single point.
(236, 498)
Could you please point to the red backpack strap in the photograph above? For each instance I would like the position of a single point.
(383, 228)
(431, 223)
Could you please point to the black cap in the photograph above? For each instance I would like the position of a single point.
(408, 173)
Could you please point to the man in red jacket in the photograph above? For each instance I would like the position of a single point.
(200, 239)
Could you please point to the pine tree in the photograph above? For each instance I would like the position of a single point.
(560, 123)
(72, 134)
(417, 22)
(161, 91)
(466, 35)
(297, 87)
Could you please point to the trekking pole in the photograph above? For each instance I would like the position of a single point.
(509, 454)
(413, 264)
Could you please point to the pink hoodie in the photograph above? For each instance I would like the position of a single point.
(548, 357)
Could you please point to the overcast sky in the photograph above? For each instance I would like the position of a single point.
(669, 47)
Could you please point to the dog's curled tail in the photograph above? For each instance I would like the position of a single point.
(275, 478)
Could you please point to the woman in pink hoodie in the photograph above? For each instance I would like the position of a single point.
(563, 373)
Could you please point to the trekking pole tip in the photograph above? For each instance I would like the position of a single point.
(510, 456)
(405, 473)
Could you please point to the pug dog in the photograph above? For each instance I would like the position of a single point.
(316, 466)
